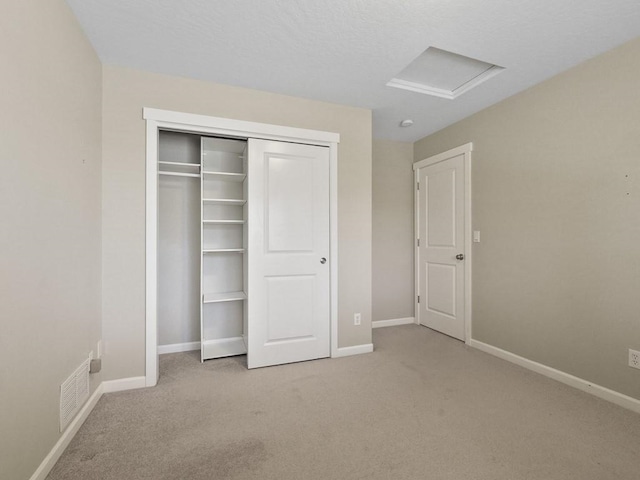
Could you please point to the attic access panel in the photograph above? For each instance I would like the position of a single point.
(443, 74)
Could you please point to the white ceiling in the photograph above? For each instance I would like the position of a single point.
(345, 51)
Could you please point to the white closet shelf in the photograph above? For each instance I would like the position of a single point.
(223, 201)
(180, 164)
(226, 176)
(223, 250)
(223, 222)
(223, 297)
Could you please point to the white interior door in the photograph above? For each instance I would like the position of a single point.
(288, 253)
(441, 251)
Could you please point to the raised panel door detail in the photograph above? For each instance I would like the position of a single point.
(441, 288)
(441, 209)
(289, 204)
(290, 309)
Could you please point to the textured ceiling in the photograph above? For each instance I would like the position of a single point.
(345, 51)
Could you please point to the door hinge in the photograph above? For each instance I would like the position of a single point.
(418, 298)
(418, 186)
(418, 242)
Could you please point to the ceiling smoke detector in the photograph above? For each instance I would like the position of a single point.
(443, 74)
(406, 123)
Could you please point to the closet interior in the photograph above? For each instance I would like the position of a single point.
(202, 243)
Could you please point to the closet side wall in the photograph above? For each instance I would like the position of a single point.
(126, 92)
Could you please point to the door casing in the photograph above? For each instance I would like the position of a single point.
(464, 150)
(157, 120)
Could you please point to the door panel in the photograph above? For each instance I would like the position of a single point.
(441, 289)
(288, 286)
(289, 204)
(441, 230)
(290, 308)
(441, 208)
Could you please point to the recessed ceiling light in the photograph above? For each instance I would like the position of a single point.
(443, 74)
(406, 123)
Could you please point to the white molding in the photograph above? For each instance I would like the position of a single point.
(562, 377)
(178, 347)
(201, 124)
(393, 322)
(454, 152)
(52, 457)
(237, 128)
(465, 150)
(416, 251)
(122, 384)
(333, 245)
(152, 364)
(355, 350)
(468, 242)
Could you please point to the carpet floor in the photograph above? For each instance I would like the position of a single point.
(421, 406)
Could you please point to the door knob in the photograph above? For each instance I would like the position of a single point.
(460, 256)
(323, 260)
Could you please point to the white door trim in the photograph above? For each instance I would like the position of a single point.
(461, 150)
(202, 124)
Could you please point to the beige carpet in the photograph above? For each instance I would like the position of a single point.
(422, 406)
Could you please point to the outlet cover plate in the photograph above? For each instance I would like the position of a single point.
(634, 358)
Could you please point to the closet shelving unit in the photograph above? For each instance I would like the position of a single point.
(223, 241)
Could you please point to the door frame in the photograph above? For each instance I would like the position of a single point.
(157, 120)
(464, 150)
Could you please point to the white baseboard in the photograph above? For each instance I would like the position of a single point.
(123, 384)
(355, 350)
(66, 437)
(393, 322)
(178, 347)
(576, 382)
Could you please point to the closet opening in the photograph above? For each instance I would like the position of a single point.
(202, 244)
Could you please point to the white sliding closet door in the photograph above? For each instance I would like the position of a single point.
(288, 248)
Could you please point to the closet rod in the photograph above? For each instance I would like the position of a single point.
(181, 164)
(179, 174)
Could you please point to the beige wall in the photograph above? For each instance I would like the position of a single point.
(50, 127)
(392, 282)
(126, 92)
(556, 177)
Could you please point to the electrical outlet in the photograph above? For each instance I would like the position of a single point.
(356, 319)
(634, 358)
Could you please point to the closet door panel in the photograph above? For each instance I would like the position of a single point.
(288, 318)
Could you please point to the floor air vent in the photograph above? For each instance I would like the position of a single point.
(73, 393)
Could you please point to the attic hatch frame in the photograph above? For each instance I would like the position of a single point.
(157, 120)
